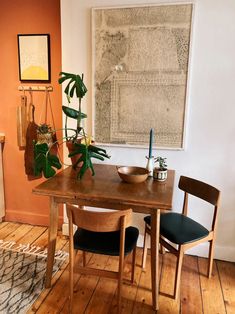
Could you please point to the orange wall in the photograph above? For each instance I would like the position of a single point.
(25, 17)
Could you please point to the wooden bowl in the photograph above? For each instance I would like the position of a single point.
(133, 174)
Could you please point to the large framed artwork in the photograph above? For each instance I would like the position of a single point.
(34, 57)
(140, 70)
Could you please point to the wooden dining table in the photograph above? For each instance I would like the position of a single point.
(106, 190)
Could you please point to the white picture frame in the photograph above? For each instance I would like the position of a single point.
(140, 66)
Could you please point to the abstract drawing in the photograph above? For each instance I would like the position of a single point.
(140, 58)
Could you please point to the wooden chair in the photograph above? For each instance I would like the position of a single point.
(183, 231)
(107, 233)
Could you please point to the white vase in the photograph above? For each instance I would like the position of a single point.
(150, 165)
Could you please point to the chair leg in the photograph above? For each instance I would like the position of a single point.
(145, 249)
(210, 261)
(133, 265)
(84, 258)
(162, 249)
(71, 261)
(119, 290)
(71, 280)
(178, 272)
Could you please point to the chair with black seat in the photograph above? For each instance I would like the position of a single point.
(107, 233)
(182, 230)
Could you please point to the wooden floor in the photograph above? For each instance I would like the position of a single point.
(98, 295)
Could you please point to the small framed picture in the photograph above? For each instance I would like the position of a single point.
(34, 57)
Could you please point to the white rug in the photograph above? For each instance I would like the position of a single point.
(22, 275)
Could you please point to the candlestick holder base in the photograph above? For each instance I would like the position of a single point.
(150, 165)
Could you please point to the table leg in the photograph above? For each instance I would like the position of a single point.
(155, 230)
(52, 234)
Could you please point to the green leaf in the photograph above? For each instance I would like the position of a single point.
(98, 151)
(72, 113)
(41, 148)
(65, 76)
(78, 149)
(72, 90)
(93, 155)
(54, 160)
(48, 171)
(87, 152)
(44, 162)
(75, 84)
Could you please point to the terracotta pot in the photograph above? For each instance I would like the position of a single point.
(70, 146)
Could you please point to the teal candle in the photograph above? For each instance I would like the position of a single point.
(150, 143)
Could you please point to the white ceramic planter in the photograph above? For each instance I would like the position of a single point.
(159, 175)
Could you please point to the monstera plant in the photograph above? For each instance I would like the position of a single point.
(45, 161)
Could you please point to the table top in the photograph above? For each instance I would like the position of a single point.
(106, 189)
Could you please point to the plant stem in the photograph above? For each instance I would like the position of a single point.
(66, 131)
(84, 134)
(80, 110)
(79, 115)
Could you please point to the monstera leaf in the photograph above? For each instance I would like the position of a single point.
(72, 113)
(44, 161)
(87, 152)
(75, 84)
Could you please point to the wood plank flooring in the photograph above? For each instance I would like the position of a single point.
(98, 295)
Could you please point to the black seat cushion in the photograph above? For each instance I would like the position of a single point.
(179, 229)
(107, 243)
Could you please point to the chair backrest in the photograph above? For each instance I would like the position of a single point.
(99, 221)
(200, 189)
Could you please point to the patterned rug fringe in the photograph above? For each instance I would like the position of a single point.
(28, 249)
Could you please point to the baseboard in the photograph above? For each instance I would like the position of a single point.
(29, 218)
(201, 250)
(221, 252)
(65, 229)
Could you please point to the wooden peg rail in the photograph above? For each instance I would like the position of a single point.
(37, 88)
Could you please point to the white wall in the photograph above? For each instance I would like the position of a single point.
(210, 148)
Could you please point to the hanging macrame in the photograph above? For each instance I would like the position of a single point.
(45, 132)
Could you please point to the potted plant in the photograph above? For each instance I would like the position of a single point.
(79, 143)
(160, 172)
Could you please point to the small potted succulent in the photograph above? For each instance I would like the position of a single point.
(44, 134)
(81, 148)
(160, 172)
